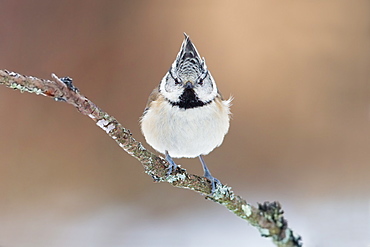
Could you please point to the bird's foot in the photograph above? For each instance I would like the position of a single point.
(207, 174)
(172, 165)
(214, 182)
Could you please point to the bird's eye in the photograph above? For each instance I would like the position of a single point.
(177, 81)
(202, 77)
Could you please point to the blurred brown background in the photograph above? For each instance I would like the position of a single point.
(300, 75)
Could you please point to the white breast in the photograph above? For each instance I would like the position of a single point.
(186, 133)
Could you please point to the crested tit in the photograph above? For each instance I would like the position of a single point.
(185, 115)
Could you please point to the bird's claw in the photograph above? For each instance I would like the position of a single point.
(172, 165)
(215, 183)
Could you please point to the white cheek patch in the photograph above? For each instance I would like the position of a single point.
(170, 92)
(207, 93)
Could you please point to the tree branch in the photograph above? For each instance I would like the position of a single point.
(267, 217)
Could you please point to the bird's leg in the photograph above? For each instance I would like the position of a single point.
(172, 165)
(207, 174)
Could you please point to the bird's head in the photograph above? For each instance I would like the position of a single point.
(188, 83)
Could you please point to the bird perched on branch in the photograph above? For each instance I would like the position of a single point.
(185, 115)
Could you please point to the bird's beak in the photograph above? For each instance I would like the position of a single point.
(188, 85)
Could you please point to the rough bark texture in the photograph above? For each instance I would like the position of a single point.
(267, 217)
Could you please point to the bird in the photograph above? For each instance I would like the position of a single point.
(186, 116)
